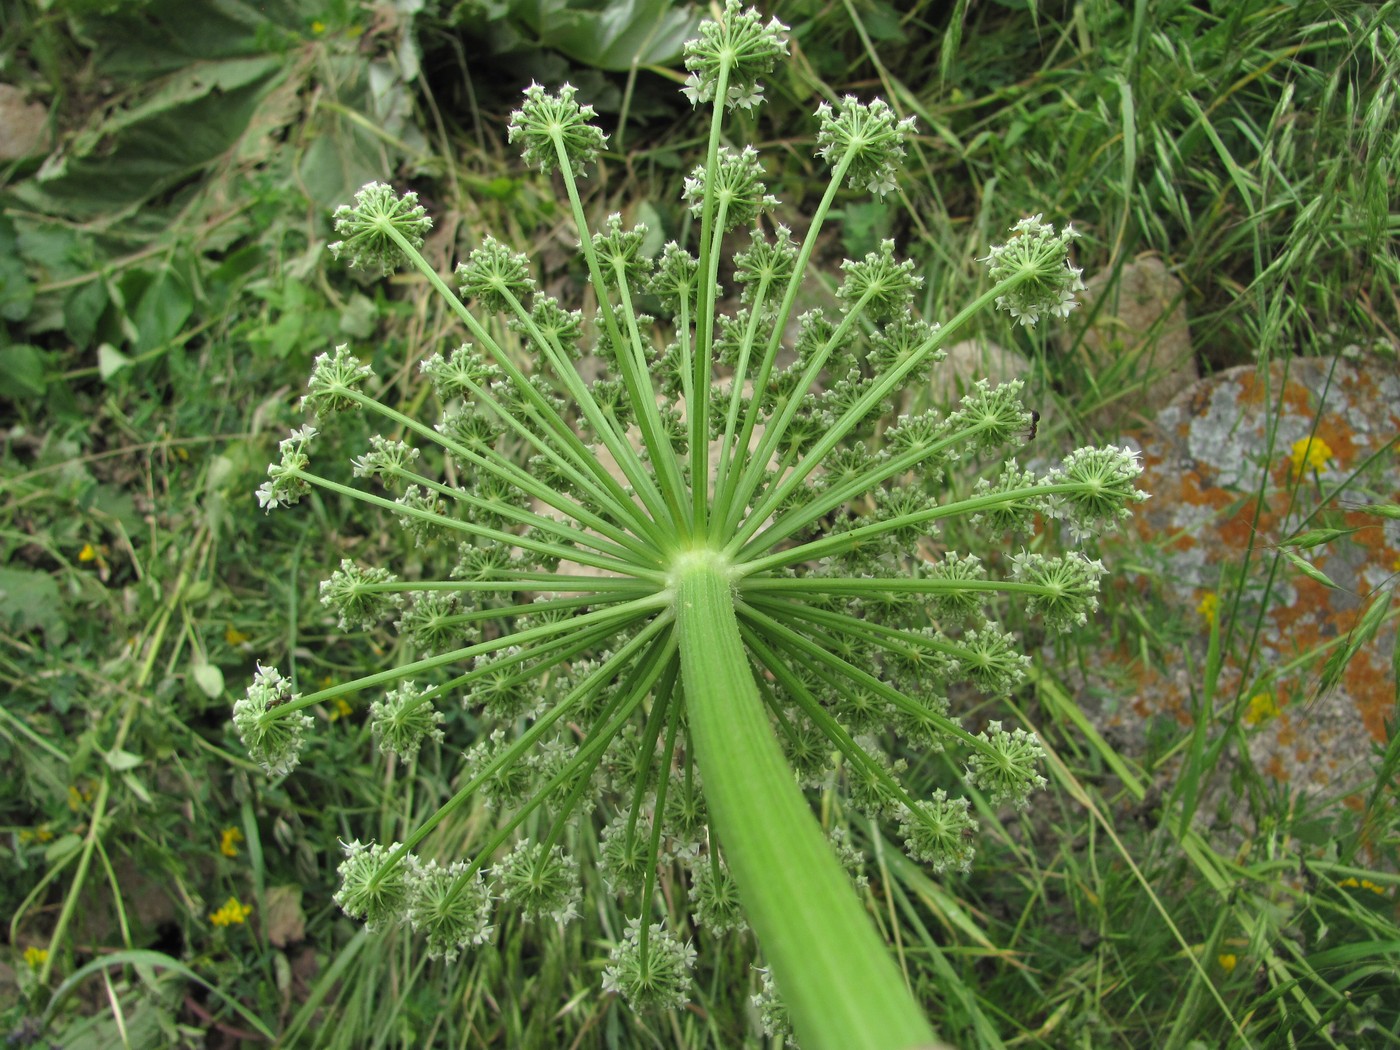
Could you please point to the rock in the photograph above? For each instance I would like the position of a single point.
(23, 126)
(1236, 466)
(969, 361)
(1138, 344)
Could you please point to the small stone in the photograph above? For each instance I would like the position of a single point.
(971, 360)
(23, 125)
(1141, 333)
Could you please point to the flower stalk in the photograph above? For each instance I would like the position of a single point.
(838, 981)
(687, 647)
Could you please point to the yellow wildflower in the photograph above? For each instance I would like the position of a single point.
(1362, 884)
(1209, 607)
(229, 839)
(232, 913)
(339, 709)
(88, 553)
(79, 795)
(35, 957)
(318, 27)
(1228, 961)
(1262, 707)
(234, 636)
(1309, 453)
(41, 833)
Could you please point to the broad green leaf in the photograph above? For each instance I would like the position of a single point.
(137, 787)
(16, 289)
(61, 848)
(619, 35)
(30, 601)
(121, 761)
(162, 310)
(209, 679)
(82, 311)
(191, 119)
(22, 372)
(110, 360)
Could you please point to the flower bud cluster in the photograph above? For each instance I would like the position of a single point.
(1036, 258)
(333, 378)
(867, 138)
(735, 51)
(656, 976)
(549, 126)
(274, 738)
(379, 228)
(285, 485)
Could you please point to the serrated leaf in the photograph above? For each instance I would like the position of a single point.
(30, 601)
(209, 679)
(1309, 570)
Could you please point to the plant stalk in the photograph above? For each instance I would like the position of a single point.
(841, 988)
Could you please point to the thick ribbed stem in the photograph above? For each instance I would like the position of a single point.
(833, 970)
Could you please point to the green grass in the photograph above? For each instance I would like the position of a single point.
(157, 328)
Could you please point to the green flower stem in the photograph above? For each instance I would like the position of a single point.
(507, 471)
(665, 457)
(612, 616)
(544, 655)
(685, 369)
(835, 974)
(810, 511)
(520, 516)
(518, 578)
(496, 464)
(853, 753)
(775, 430)
(864, 585)
(727, 449)
(734, 492)
(530, 737)
(668, 753)
(616, 442)
(829, 545)
(796, 641)
(698, 409)
(557, 426)
(510, 539)
(635, 376)
(887, 383)
(581, 764)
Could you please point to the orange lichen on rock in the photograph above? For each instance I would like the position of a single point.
(1226, 499)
